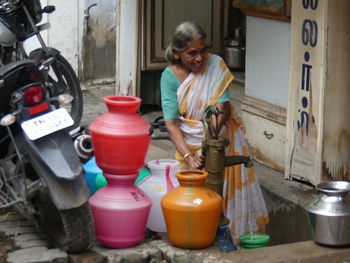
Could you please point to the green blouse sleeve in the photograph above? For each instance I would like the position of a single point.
(168, 89)
(224, 97)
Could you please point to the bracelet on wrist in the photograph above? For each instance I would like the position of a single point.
(187, 154)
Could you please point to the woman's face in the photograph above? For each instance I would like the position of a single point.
(194, 56)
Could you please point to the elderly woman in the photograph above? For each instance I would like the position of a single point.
(194, 80)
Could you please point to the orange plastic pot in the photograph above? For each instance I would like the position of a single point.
(191, 211)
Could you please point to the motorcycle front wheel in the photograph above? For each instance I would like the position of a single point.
(64, 80)
(71, 230)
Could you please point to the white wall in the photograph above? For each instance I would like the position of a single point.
(127, 72)
(66, 32)
(267, 60)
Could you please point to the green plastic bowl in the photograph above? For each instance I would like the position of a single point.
(254, 240)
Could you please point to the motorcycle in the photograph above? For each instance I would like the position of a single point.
(41, 175)
(19, 21)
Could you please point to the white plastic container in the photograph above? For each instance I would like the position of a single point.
(161, 180)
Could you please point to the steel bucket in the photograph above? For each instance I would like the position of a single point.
(329, 215)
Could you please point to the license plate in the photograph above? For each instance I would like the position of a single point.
(48, 123)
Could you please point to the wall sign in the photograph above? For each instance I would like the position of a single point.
(305, 91)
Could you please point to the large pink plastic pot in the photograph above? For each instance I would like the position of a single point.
(120, 212)
(120, 137)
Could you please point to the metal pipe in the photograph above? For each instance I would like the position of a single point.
(238, 159)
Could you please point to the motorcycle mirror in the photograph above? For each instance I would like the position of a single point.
(8, 119)
(65, 99)
(47, 9)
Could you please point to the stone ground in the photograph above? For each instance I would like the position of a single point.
(22, 242)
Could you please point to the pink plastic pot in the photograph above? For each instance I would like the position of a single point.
(120, 212)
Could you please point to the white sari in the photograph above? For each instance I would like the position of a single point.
(243, 200)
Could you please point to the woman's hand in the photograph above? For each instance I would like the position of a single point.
(191, 163)
(199, 159)
(224, 107)
(195, 161)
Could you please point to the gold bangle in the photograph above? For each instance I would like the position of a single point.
(187, 154)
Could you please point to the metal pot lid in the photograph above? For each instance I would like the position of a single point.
(232, 42)
(238, 48)
(334, 187)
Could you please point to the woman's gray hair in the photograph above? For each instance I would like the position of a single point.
(182, 35)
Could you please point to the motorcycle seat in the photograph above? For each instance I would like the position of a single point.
(13, 66)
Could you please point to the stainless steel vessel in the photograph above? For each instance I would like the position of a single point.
(234, 51)
(235, 57)
(329, 215)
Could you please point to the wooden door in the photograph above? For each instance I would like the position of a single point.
(160, 17)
